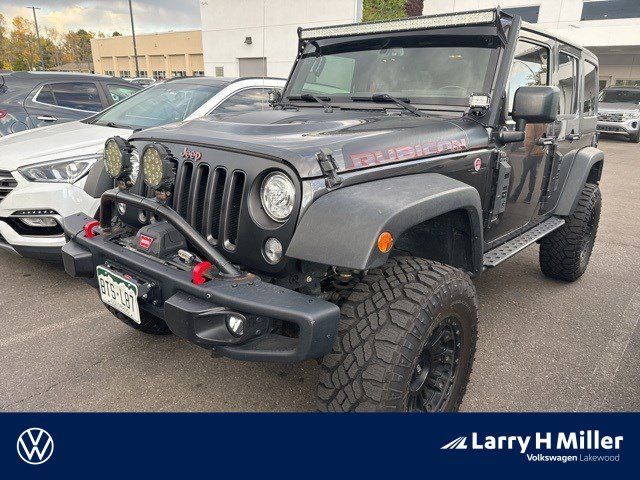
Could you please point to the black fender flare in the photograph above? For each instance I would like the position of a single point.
(582, 162)
(342, 227)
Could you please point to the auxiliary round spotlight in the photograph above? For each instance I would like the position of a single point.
(158, 167)
(117, 161)
(235, 324)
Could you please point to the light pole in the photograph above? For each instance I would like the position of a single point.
(35, 20)
(133, 32)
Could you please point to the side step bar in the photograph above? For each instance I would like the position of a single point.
(510, 248)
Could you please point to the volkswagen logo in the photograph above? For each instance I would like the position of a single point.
(35, 446)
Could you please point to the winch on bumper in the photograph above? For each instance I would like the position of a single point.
(199, 313)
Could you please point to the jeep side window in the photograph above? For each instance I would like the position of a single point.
(530, 67)
(245, 101)
(590, 92)
(568, 82)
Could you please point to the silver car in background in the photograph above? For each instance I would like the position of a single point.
(619, 112)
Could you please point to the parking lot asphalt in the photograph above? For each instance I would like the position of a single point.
(543, 345)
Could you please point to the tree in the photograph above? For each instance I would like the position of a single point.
(77, 46)
(413, 8)
(23, 48)
(53, 47)
(4, 45)
(116, 34)
(383, 10)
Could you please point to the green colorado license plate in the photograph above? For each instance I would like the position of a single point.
(119, 293)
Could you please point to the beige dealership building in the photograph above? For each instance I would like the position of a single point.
(160, 55)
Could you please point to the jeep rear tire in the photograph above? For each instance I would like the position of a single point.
(406, 341)
(149, 323)
(565, 252)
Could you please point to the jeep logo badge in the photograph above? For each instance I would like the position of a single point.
(191, 154)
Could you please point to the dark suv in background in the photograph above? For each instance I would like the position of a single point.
(34, 99)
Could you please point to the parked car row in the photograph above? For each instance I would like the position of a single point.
(43, 171)
(35, 99)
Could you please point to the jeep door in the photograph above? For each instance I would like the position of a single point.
(528, 159)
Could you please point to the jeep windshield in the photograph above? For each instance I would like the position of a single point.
(157, 105)
(421, 69)
(620, 96)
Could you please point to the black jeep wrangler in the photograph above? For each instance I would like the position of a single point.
(345, 222)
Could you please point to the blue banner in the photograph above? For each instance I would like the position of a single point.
(94, 445)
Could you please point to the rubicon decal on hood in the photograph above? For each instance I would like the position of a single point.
(402, 153)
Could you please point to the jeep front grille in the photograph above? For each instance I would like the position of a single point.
(210, 199)
(610, 117)
(7, 183)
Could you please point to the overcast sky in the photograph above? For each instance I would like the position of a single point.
(109, 15)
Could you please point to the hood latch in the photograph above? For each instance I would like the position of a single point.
(329, 168)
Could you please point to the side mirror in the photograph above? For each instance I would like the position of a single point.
(535, 105)
(275, 96)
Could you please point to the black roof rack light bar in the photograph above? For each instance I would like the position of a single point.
(491, 16)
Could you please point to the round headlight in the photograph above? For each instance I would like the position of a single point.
(157, 167)
(278, 196)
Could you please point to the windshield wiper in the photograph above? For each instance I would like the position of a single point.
(386, 98)
(307, 97)
(116, 125)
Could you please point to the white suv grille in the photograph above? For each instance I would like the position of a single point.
(611, 117)
(7, 183)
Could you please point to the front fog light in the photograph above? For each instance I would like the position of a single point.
(235, 324)
(273, 250)
(39, 222)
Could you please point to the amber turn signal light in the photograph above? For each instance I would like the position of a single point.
(385, 242)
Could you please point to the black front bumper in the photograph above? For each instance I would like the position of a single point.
(197, 313)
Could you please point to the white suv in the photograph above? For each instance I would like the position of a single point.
(43, 171)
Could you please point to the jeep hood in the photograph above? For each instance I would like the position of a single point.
(54, 142)
(357, 138)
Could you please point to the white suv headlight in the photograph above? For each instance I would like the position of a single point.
(631, 115)
(65, 170)
(278, 196)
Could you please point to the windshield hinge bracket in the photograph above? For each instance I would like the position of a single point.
(502, 35)
(329, 168)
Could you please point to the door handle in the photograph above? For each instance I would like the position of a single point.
(572, 136)
(47, 118)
